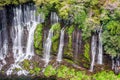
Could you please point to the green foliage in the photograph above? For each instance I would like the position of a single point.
(56, 28)
(69, 61)
(104, 16)
(15, 2)
(68, 52)
(113, 27)
(94, 2)
(49, 71)
(71, 74)
(105, 76)
(80, 18)
(26, 64)
(87, 51)
(111, 38)
(31, 66)
(38, 39)
(65, 72)
(86, 33)
(4, 2)
(70, 31)
(35, 71)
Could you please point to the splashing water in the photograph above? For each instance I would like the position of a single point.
(3, 38)
(24, 20)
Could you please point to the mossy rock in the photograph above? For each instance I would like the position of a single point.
(55, 47)
(26, 64)
(38, 35)
(68, 53)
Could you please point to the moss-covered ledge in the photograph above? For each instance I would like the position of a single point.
(13, 2)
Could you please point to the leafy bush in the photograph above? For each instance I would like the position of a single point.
(105, 76)
(70, 31)
(65, 72)
(87, 50)
(111, 38)
(56, 28)
(55, 39)
(38, 39)
(49, 71)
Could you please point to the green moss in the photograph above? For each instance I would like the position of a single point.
(38, 39)
(55, 47)
(15, 2)
(68, 53)
(26, 64)
(70, 31)
(49, 71)
(35, 71)
(87, 51)
(69, 61)
(105, 76)
(55, 39)
(66, 73)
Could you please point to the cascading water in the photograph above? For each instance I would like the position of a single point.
(24, 20)
(3, 39)
(100, 54)
(54, 18)
(48, 43)
(59, 56)
(113, 65)
(47, 47)
(76, 45)
(93, 50)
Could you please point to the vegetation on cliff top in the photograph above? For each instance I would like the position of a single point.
(89, 16)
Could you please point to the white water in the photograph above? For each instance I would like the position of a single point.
(47, 47)
(113, 65)
(24, 20)
(48, 42)
(100, 54)
(3, 39)
(54, 18)
(76, 45)
(61, 45)
(93, 50)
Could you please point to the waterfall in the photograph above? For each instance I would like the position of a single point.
(48, 42)
(47, 47)
(54, 18)
(76, 45)
(24, 23)
(93, 50)
(100, 54)
(113, 65)
(59, 56)
(3, 38)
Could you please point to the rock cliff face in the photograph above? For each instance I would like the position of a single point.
(17, 41)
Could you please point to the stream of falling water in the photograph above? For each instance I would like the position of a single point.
(61, 45)
(3, 39)
(48, 42)
(93, 50)
(54, 18)
(76, 45)
(24, 18)
(47, 47)
(100, 54)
